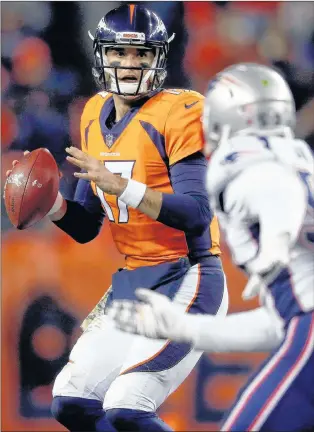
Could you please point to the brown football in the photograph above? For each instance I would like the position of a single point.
(31, 189)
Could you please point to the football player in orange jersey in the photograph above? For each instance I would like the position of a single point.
(142, 167)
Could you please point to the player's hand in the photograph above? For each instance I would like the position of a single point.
(96, 172)
(8, 172)
(55, 212)
(155, 317)
(15, 162)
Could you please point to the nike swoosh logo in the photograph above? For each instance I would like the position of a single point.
(187, 106)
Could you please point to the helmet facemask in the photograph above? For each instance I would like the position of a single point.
(268, 118)
(151, 78)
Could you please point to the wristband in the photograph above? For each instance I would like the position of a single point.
(133, 193)
(57, 205)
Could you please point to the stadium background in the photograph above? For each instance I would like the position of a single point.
(49, 283)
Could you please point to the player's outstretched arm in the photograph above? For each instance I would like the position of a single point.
(159, 318)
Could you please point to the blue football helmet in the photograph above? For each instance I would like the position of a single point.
(135, 26)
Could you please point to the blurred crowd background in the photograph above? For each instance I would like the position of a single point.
(49, 283)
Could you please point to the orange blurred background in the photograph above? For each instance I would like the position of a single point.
(49, 282)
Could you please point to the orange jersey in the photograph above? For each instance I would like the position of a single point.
(142, 145)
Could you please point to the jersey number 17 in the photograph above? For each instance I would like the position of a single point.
(125, 170)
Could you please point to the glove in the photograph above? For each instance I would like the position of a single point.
(155, 317)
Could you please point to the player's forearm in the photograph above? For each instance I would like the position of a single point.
(187, 209)
(239, 332)
(151, 203)
(183, 212)
(78, 222)
(82, 217)
(138, 195)
(175, 210)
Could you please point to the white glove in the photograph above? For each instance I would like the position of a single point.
(156, 318)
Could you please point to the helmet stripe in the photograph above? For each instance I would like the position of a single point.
(132, 7)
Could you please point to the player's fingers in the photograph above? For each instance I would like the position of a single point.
(26, 152)
(78, 154)
(76, 162)
(15, 162)
(8, 173)
(84, 176)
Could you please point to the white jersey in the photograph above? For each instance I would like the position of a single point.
(262, 192)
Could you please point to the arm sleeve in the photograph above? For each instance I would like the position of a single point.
(84, 216)
(253, 330)
(274, 197)
(183, 129)
(188, 208)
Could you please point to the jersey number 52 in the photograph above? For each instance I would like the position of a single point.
(125, 169)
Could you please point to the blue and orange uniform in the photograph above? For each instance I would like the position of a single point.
(153, 137)
(158, 143)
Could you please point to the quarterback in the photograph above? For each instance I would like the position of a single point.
(141, 166)
(260, 183)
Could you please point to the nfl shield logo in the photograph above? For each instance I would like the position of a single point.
(109, 140)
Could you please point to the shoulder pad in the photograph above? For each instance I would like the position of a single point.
(94, 104)
(183, 93)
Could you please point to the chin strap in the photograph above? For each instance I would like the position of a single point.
(90, 35)
(171, 37)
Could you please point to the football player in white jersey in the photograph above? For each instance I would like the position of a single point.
(260, 182)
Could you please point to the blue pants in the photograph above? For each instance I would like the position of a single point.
(280, 396)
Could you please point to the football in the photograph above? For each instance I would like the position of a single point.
(31, 189)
